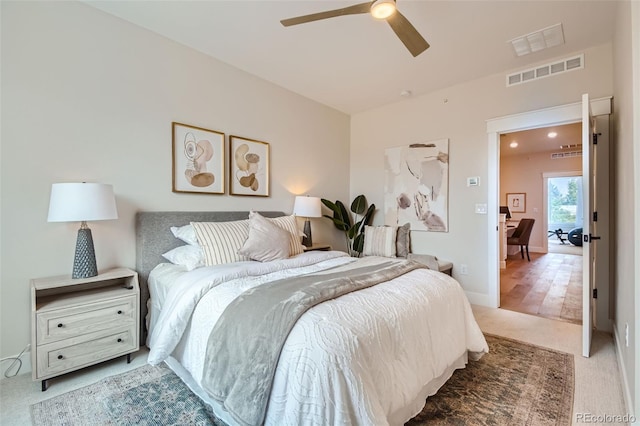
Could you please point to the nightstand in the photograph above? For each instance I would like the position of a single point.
(76, 323)
(432, 262)
(318, 247)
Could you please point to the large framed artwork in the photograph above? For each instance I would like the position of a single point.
(249, 167)
(198, 159)
(416, 188)
(517, 202)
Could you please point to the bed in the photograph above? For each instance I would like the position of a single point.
(368, 357)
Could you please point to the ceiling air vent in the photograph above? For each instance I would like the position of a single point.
(558, 155)
(553, 68)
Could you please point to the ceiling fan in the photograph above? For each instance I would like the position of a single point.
(379, 9)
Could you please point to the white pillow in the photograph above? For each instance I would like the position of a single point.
(185, 233)
(379, 241)
(220, 241)
(267, 241)
(290, 224)
(191, 257)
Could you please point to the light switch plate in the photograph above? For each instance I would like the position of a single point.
(473, 181)
(481, 208)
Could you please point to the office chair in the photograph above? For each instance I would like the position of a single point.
(521, 236)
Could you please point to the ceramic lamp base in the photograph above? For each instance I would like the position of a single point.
(306, 240)
(84, 263)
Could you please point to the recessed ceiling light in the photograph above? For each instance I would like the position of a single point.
(552, 134)
(513, 144)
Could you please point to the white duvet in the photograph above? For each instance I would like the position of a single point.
(366, 358)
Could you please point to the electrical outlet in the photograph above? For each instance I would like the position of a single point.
(626, 334)
(464, 269)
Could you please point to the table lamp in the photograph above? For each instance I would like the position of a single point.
(82, 202)
(305, 206)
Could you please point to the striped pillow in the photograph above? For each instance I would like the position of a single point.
(379, 241)
(289, 223)
(220, 241)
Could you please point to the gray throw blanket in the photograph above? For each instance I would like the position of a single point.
(245, 344)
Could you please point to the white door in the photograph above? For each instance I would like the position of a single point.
(588, 227)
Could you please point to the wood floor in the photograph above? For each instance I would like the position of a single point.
(549, 286)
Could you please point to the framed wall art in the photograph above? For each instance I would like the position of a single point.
(517, 202)
(416, 188)
(198, 159)
(249, 167)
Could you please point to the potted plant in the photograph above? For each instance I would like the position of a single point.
(353, 228)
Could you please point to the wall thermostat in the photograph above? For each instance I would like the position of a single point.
(473, 181)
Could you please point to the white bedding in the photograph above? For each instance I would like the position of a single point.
(362, 358)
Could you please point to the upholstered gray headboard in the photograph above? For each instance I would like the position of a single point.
(154, 237)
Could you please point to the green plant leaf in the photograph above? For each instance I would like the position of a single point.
(329, 204)
(353, 231)
(344, 214)
(338, 223)
(358, 243)
(359, 204)
(368, 217)
(338, 214)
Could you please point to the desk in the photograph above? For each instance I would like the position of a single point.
(506, 229)
(502, 229)
(511, 228)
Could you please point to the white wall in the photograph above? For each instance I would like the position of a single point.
(89, 97)
(459, 113)
(626, 192)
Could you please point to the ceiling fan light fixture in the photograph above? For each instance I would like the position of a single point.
(382, 9)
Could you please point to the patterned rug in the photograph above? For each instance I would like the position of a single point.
(515, 384)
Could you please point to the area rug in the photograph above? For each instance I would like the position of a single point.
(145, 396)
(514, 384)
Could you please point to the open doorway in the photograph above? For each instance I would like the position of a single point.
(543, 167)
(596, 311)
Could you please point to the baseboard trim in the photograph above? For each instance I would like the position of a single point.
(479, 299)
(623, 373)
(25, 368)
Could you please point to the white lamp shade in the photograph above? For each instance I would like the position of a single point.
(77, 202)
(307, 207)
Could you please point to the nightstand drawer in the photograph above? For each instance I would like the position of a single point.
(68, 355)
(57, 325)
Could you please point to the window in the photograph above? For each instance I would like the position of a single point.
(565, 203)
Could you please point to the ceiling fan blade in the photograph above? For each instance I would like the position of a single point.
(351, 10)
(407, 34)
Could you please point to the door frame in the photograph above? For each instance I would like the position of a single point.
(553, 116)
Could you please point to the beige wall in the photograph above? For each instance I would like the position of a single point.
(88, 97)
(524, 173)
(460, 113)
(626, 191)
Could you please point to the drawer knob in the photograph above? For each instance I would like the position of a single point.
(60, 325)
(60, 357)
(119, 340)
(119, 312)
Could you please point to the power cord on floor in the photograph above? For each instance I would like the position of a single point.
(16, 361)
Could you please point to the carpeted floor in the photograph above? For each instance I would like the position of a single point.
(516, 383)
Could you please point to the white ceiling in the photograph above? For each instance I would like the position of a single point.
(354, 63)
(537, 140)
